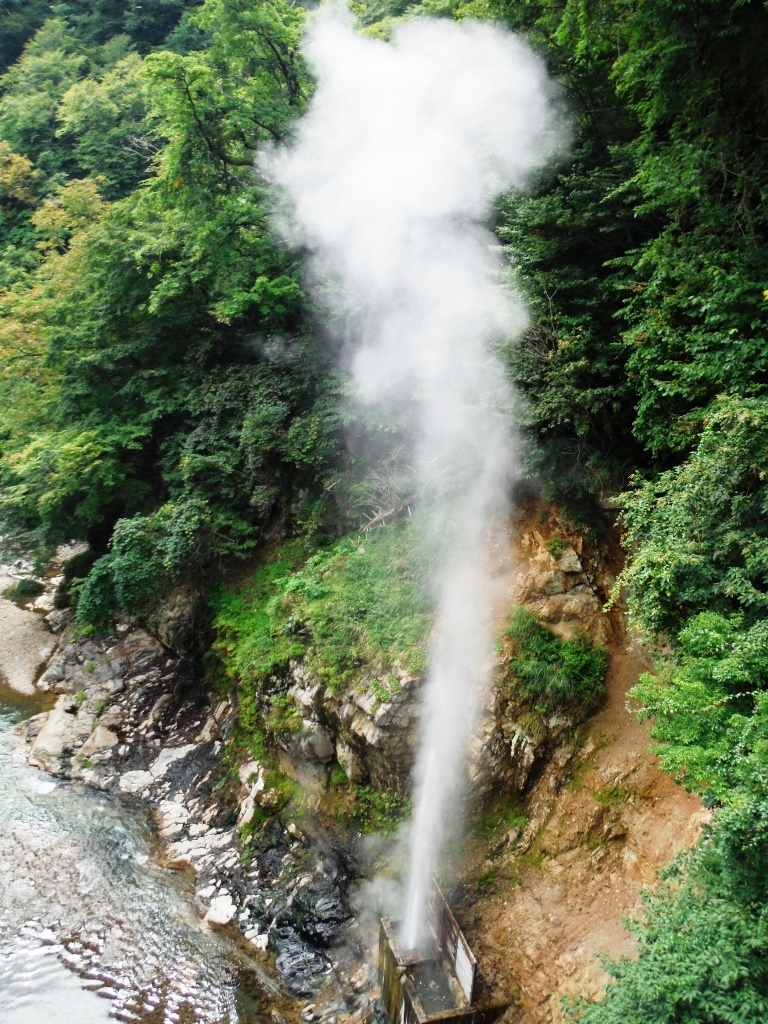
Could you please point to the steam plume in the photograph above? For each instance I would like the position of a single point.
(391, 177)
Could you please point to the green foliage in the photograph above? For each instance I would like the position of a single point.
(19, 19)
(498, 818)
(154, 365)
(283, 715)
(710, 704)
(31, 90)
(611, 796)
(249, 643)
(337, 776)
(699, 530)
(557, 673)
(104, 122)
(380, 810)
(64, 481)
(146, 554)
(23, 591)
(351, 610)
(556, 545)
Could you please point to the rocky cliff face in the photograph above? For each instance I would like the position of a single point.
(130, 719)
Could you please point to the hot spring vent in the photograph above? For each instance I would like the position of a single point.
(435, 982)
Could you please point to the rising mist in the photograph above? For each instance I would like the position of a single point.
(391, 181)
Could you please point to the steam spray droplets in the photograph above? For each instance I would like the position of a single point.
(390, 181)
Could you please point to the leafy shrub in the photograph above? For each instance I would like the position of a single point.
(381, 810)
(711, 702)
(553, 672)
(556, 546)
(146, 554)
(23, 591)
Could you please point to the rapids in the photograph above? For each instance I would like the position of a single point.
(91, 928)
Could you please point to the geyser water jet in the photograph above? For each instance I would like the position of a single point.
(391, 179)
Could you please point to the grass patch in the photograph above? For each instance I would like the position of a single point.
(552, 673)
(486, 880)
(283, 715)
(499, 818)
(350, 610)
(370, 810)
(532, 861)
(380, 810)
(610, 796)
(357, 605)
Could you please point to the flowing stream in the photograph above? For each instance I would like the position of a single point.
(91, 929)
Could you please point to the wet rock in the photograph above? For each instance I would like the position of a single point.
(31, 727)
(222, 910)
(318, 913)
(301, 967)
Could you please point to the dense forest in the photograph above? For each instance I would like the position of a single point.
(168, 394)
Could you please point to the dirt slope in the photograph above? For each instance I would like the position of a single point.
(603, 819)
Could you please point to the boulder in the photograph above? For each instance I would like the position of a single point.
(222, 910)
(301, 967)
(569, 562)
(135, 782)
(317, 913)
(62, 731)
(100, 740)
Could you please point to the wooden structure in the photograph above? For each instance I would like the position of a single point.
(435, 983)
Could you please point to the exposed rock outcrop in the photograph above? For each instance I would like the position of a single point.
(129, 719)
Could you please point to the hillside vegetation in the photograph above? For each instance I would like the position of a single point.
(167, 394)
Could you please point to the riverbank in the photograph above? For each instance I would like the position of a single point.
(129, 720)
(26, 642)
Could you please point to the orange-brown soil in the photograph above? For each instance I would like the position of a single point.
(603, 818)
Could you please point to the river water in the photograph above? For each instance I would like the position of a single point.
(91, 929)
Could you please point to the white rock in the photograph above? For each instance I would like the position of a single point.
(208, 731)
(166, 758)
(222, 909)
(247, 808)
(100, 739)
(171, 816)
(222, 710)
(249, 772)
(135, 782)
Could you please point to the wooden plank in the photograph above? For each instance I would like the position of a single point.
(465, 972)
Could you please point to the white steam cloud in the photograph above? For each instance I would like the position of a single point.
(391, 178)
